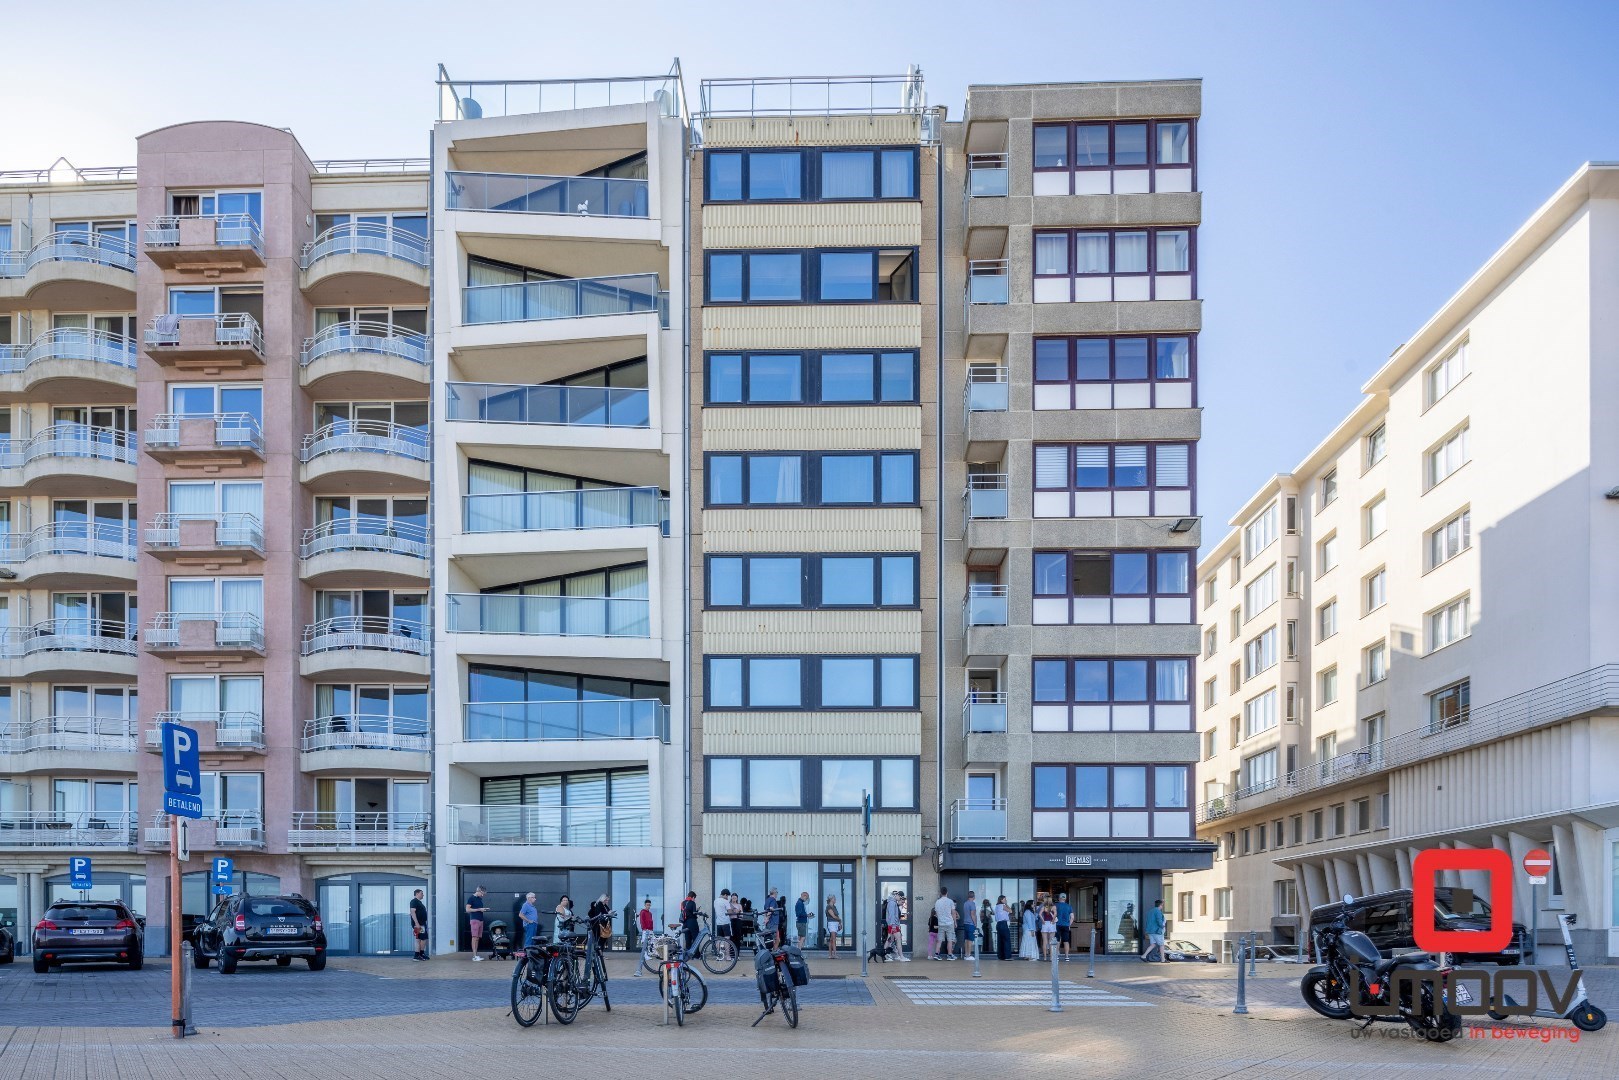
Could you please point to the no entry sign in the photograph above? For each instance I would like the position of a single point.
(1537, 864)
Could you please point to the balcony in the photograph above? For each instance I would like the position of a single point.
(984, 605)
(567, 298)
(591, 508)
(71, 270)
(75, 459)
(518, 193)
(986, 389)
(206, 344)
(206, 635)
(220, 830)
(988, 281)
(570, 406)
(365, 646)
(984, 712)
(551, 826)
(71, 552)
(215, 730)
(212, 539)
(474, 99)
(80, 649)
(365, 550)
(365, 455)
(70, 363)
(977, 820)
(323, 830)
(205, 440)
(986, 176)
(364, 741)
(67, 829)
(381, 262)
(205, 243)
(551, 616)
(73, 737)
(986, 496)
(351, 359)
(565, 721)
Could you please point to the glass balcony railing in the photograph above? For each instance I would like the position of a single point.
(230, 230)
(560, 616)
(565, 721)
(986, 496)
(367, 436)
(101, 539)
(978, 819)
(591, 508)
(80, 734)
(231, 630)
(362, 731)
(986, 175)
(564, 298)
(368, 829)
(366, 533)
(69, 441)
(515, 193)
(71, 634)
(986, 388)
(69, 343)
(984, 711)
(988, 281)
(67, 829)
(573, 406)
(378, 632)
(231, 431)
(551, 826)
(475, 99)
(366, 238)
(985, 605)
(230, 530)
(377, 339)
(71, 245)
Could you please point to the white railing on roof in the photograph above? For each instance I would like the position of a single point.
(373, 165)
(814, 95)
(474, 99)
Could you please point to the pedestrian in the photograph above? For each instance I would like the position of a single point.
(1048, 930)
(601, 927)
(528, 917)
(1003, 929)
(564, 916)
(802, 917)
(1155, 933)
(933, 934)
(773, 917)
(1030, 947)
(834, 926)
(418, 925)
(477, 908)
(1065, 925)
(893, 918)
(645, 923)
(969, 926)
(688, 919)
(722, 915)
(944, 911)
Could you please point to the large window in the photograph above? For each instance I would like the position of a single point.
(819, 478)
(1377, 445)
(1259, 771)
(1259, 714)
(1448, 624)
(609, 602)
(1113, 480)
(1078, 265)
(1115, 373)
(812, 378)
(860, 275)
(1087, 587)
(1260, 593)
(1260, 533)
(1450, 706)
(1114, 157)
(1077, 802)
(812, 174)
(1124, 694)
(1450, 539)
(772, 783)
(1443, 375)
(506, 704)
(1259, 654)
(812, 581)
(811, 682)
(1447, 457)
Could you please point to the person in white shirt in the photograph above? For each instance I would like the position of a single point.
(945, 909)
(722, 915)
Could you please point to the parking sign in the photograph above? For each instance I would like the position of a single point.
(78, 871)
(224, 870)
(182, 761)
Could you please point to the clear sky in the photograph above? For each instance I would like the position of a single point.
(1359, 160)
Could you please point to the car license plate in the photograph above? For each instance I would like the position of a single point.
(1464, 996)
(283, 930)
(87, 931)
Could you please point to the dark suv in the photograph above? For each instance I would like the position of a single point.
(88, 932)
(1386, 919)
(275, 928)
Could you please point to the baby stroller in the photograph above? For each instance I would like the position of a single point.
(500, 942)
(884, 952)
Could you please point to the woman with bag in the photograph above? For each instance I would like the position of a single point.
(834, 927)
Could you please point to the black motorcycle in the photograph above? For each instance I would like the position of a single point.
(1356, 982)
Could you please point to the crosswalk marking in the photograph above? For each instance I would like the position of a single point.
(930, 992)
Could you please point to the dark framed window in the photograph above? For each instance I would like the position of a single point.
(1074, 802)
(811, 275)
(1115, 157)
(862, 683)
(813, 478)
(888, 377)
(1114, 479)
(832, 784)
(1138, 372)
(1080, 265)
(812, 174)
(1145, 693)
(858, 581)
(1086, 587)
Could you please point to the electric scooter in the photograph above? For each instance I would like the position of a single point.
(1583, 1014)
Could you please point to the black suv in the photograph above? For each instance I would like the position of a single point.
(260, 928)
(1386, 919)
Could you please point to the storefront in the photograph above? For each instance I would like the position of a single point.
(839, 879)
(368, 914)
(626, 891)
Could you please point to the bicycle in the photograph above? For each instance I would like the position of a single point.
(779, 989)
(682, 987)
(717, 954)
(576, 978)
(530, 978)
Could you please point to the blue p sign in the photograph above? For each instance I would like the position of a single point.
(224, 870)
(182, 761)
(78, 871)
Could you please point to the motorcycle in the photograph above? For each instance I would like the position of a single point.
(1356, 982)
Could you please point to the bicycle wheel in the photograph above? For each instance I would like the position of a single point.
(789, 1004)
(600, 985)
(528, 996)
(564, 992)
(680, 1010)
(719, 955)
(649, 957)
(693, 990)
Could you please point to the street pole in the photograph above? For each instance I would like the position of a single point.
(865, 898)
(1242, 982)
(1090, 973)
(1056, 983)
(177, 1021)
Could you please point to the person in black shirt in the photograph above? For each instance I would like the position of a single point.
(688, 919)
(418, 925)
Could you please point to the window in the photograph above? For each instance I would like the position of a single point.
(1450, 539)
(1236, 623)
(1276, 833)
(1260, 593)
(1372, 732)
(1151, 372)
(1235, 564)
(1211, 641)
(1113, 480)
(230, 502)
(220, 203)
(1260, 654)
(207, 598)
(1118, 157)
(1327, 554)
(1113, 265)
(1383, 810)
(1209, 745)
(1376, 590)
(1376, 518)
(1448, 624)
(1259, 714)
(1183, 907)
(1247, 841)
(1236, 732)
(1260, 835)
(1236, 675)
(1090, 587)
(1450, 706)
(812, 378)
(820, 478)
(1211, 693)
(1329, 489)
(1292, 583)
(1376, 663)
(1101, 694)
(233, 799)
(1363, 815)
(209, 399)
(1210, 591)
(1260, 533)
(1338, 819)
(811, 682)
(1327, 685)
(1318, 825)
(865, 275)
(1326, 620)
(1286, 897)
(812, 581)
(1296, 828)
(1290, 632)
(1222, 903)
(1443, 375)
(811, 783)
(1377, 445)
(1290, 702)
(1092, 801)
(830, 174)
(1447, 457)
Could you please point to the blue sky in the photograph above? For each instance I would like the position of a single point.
(1359, 159)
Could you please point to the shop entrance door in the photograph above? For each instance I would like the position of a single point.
(838, 882)
(1088, 898)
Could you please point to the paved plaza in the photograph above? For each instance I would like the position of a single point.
(391, 1019)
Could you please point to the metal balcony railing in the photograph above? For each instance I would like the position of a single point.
(590, 508)
(814, 95)
(232, 431)
(230, 230)
(373, 165)
(1589, 691)
(67, 829)
(564, 298)
(551, 826)
(232, 629)
(986, 175)
(69, 441)
(72, 634)
(231, 328)
(984, 605)
(475, 99)
(367, 436)
(221, 829)
(101, 539)
(69, 245)
(80, 734)
(358, 829)
(365, 238)
(984, 712)
(230, 530)
(574, 406)
(989, 281)
(366, 632)
(356, 336)
(978, 819)
(69, 343)
(231, 729)
(363, 731)
(517, 193)
(565, 721)
(562, 616)
(366, 532)
(986, 496)
(986, 389)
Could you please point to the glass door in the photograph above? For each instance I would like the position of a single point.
(837, 882)
(897, 875)
(376, 919)
(336, 911)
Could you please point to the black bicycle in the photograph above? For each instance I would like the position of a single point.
(776, 986)
(530, 979)
(579, 976)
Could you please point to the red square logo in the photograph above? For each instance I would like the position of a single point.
(1425, 870)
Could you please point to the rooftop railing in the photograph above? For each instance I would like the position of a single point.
(590, 508)
(978, 819)
(373, 165)
(357, 336)
(232, 629)
(65, 172)
(230, 328)
(474, 99)
(378, 632)
(814, 95)
(97, 538)
(233, 430)
(81, 734)
(564, 298)
(574, 406)
(69, 441)
(230, 230)
(561, 616)
(69, 343)
(367, 436)
(71, 245)
(362, 731)
(366, 532)
(518, 193)
(67, 829)
(551, 826)
(365, 238)
(565, 721)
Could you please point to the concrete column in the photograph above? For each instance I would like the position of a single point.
(1348, 878)
(1330, 875)
(1363, 872)
(1384, 878)
(1579, 851)
(1313, 891)
(1402, 866)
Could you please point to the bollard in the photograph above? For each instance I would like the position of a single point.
(186, 970)
(1242, 982)
(1056, 984)
(663, 980)
(1253, 957)
(1090, 972)
(977, 948)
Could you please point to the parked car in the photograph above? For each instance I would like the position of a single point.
(88, 932)
(8, 943)
(1386, 919)
(1186, 951)
(278, 928)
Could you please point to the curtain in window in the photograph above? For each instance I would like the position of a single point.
(1091, 253)
(846, 174)
(191, 500)
(1130, 466)
(480, 272)
(1173, 466)
(242, 695)
(242, 594)
(1051, 253)
(1051, 466)
(191, 597)
(1174, 251)
(1130, 253)
(242, 499)
(192, 695)
(1090, 467)
(1171, 680)
(329, 317)
(1174, 358)
(1174, 144)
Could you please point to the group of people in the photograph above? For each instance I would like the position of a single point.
(528, 927)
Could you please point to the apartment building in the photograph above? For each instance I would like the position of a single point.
(814, 474)
(1067, 743)
(215, 405)
(1409, 639)
(559, 557)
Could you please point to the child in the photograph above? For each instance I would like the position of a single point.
(933, 936)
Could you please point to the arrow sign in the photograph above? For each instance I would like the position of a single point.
(78, 869)
(1537, 864)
